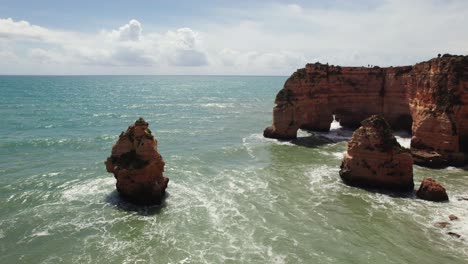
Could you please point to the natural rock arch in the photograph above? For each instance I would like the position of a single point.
(431, 96)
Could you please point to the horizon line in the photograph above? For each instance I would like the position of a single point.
(191, 75)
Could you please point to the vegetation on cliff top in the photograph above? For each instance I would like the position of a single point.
(299, 74)
(459, 66)
(403, 70)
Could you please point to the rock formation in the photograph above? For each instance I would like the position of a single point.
(375, 159)
(430, 99)
(137, 165)
(453, 234)
(453, 217)
(432, 190)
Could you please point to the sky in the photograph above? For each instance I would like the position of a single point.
(224, 37)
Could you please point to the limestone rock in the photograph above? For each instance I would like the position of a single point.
(430, 99)
(137, 165)
(375, 159)
(432, 190)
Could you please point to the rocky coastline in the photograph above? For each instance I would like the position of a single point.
(428, 99)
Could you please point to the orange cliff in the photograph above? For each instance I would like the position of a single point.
(430, 99)
(137, 165)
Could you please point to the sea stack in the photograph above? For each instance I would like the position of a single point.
(432, 190)
(428, 99)
(137, 165)
(375, 159)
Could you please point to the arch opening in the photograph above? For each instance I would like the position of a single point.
(335, 124)
(403, 122)
(463, 141)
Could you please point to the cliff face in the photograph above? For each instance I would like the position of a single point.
(375, 159)
(430, 99)
(137, 165)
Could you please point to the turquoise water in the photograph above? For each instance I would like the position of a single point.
(233, 196)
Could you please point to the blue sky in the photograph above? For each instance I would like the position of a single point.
(223, 37)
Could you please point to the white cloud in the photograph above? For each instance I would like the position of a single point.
(281, 59)
(295, 8)
(43, 56)
(183, 48)
(269, 39)
(183, 38)
(126, 46)
(7, 57)
(128, 32)
(229, 57)
(10, 29)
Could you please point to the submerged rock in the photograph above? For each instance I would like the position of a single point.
(375, 159)
(453, 217)
(432, 190)
(453, 234)
(137, 165)
(442, 224)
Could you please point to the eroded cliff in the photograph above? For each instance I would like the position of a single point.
(429, 99)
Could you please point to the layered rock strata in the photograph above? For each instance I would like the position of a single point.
(137, 165)
(432, 190)
(375, 159)
(430, 99)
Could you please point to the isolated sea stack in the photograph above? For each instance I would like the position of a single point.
(429, 99)
(137, 166)
(375, 159)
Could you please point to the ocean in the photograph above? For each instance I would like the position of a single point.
(233, 196)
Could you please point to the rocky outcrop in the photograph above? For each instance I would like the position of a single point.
(453, 234)
(432, 190)
(137, 165)
(453, 217)
(375, 159)
(430, 99)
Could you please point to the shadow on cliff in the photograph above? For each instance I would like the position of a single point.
(311, 141)
(116, 200)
